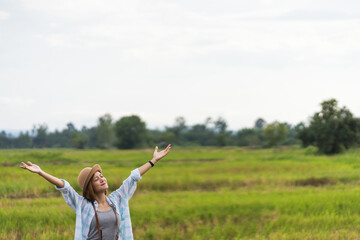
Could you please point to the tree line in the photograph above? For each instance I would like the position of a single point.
(331, 130)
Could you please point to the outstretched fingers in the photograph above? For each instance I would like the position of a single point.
(168, 148)
(23, 165)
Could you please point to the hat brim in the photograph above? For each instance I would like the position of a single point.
(94, 169)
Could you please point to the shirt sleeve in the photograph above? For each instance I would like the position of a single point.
(71, 197)
(128, 187)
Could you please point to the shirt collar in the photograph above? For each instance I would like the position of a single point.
(107, 199)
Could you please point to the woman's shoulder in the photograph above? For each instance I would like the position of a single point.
(85, 204)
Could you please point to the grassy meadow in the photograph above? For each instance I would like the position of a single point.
(193, 193)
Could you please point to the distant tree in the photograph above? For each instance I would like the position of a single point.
(79, 140)
(24, 140)
(274, 133)
(208, 121)
(306, 136)
(201, 134)
(167, 137)
(175, 134)
(130, 132)
(58, 139)
(153, 137)
(220, 130)
(247, 137)
(69, 133)
(332, 130)
(39, 132)
(70, 127)
(5, 142)
(105, 132)
(260, 123)
(91, 135)
(291, 135)
(180, 123)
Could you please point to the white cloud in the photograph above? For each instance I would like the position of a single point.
(62, 40)
(80, 10)
(140, 31)
(4, 15)
(234, 58)
(16, 102)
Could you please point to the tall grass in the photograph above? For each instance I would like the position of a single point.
(196, 193)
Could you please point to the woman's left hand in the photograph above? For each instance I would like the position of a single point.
(159, 155)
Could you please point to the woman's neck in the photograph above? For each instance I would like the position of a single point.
(100, 198)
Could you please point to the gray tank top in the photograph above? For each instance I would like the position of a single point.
(107, 223)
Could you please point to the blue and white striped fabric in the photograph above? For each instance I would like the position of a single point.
(85, 212)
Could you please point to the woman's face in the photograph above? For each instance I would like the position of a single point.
(99, 182)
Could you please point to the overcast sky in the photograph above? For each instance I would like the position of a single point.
(75, 60)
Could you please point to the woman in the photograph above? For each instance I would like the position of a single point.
(99, 216)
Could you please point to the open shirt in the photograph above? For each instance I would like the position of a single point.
(85, 211)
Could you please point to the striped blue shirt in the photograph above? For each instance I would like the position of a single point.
(85, 211)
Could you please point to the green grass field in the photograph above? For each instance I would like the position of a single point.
(194, 193)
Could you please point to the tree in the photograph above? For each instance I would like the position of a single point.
(68, 134)
(246, 137)
(176, 133)
(130, 132)
(91, 136)
(275, 133)
(79, 140)
(201, 134)
(260, 123)
(5, 142)
(24, 140)
(220, 130)
(332, 130)
(105, 132)
(166, 137)
(290, 138)
(39, 132)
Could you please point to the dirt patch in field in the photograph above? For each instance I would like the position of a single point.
(182, 161)
(9, 164)
(315, 182)
(201, 186)
(31, 195)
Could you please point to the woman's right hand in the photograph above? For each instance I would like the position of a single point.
(31, 167)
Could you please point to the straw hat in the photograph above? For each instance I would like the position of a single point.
(85, 176)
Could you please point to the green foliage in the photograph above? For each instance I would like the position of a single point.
(39, 132)
(275, 133)
(201, 134)
(79, 141)
(209, 133)
(311, 150)
(105, 133)
(251, 137)
(260, 123)
(175, 134)
(167, 137)
(221, 133)
(245, 136)
(130, 132)
(5, 141)
(24, 140)
(332, 130)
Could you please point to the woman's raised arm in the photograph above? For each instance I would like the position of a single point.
(36, 169)
(157, 156)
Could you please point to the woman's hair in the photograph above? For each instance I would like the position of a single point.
(90, 194)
